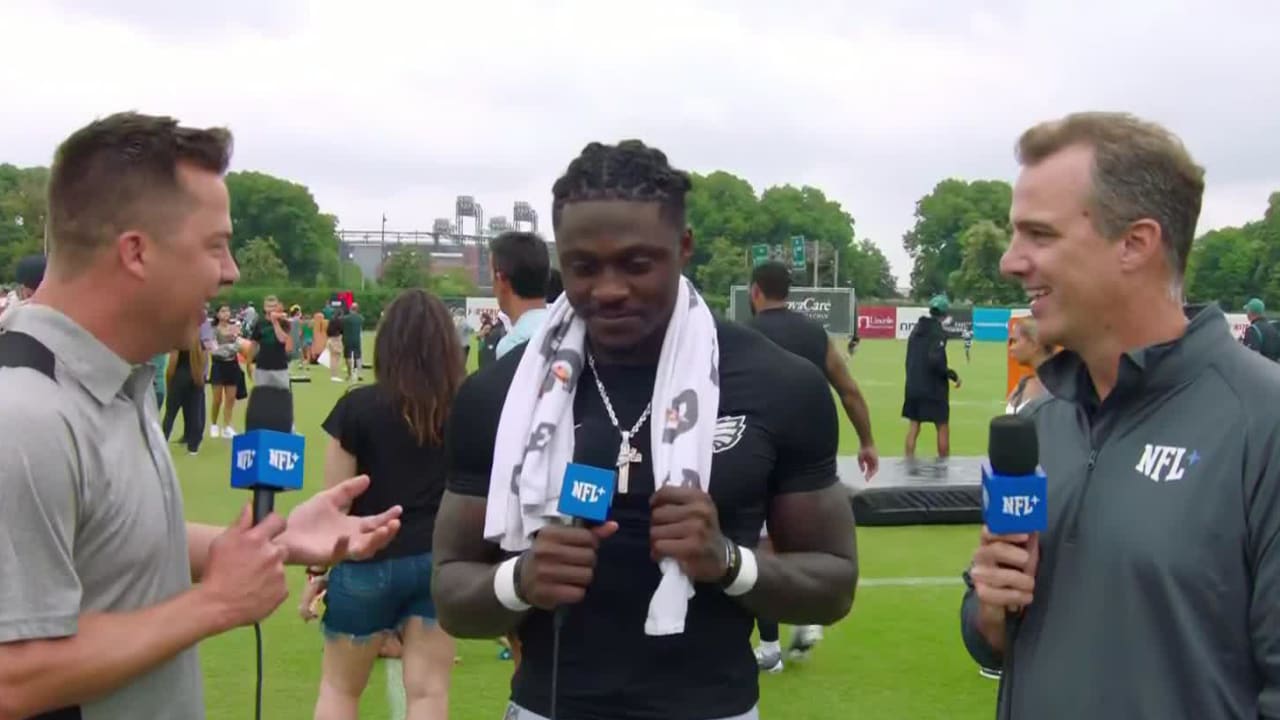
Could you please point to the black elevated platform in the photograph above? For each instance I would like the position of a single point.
(916, 492)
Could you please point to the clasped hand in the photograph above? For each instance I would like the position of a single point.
(684, 525)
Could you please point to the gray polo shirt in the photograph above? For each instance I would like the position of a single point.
(90, 511)
(1158, 588)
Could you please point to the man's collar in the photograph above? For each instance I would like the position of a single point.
(92, 363)
(1154, 367)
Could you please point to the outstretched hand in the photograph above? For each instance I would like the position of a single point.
(320, 532)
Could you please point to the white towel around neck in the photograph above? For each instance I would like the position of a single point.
(536, 432)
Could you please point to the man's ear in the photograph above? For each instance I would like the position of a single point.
(1141, 244)
(686, 247)
(134, 249)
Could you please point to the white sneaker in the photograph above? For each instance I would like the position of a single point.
(803, 640)
(335, 378)
(770, 660)
(228, 432)
(213, 431)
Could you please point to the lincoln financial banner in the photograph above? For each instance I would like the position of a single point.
(833, 308)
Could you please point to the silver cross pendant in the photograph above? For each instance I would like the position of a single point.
(626, 456)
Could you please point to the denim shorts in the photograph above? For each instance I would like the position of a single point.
(366, 599)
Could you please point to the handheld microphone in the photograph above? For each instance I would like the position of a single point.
(268, 457)
(1015, 494)
(586, 493)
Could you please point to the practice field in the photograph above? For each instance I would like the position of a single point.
(898, 655)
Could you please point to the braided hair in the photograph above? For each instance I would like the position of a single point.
(629, 171)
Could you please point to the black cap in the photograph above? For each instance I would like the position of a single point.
(1012, 446)
(30, 271)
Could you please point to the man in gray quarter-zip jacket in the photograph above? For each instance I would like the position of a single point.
(1155, 590)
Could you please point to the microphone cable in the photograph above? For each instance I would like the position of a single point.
(257, 704)
(557, 624)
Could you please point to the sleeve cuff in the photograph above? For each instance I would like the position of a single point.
(58, 626)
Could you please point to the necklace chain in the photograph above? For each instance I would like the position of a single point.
(608, 406)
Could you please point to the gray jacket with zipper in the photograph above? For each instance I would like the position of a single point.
(1158, 587)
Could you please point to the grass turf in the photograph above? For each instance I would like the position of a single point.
(897, 655)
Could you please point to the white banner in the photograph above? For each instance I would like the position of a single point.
(478, 308)
(1238, 323)
(907, 319)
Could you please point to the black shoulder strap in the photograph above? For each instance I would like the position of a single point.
(21, 350)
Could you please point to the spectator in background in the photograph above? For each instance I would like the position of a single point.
(248, 319)
(185, 377)
(1261, 336)
(521, 267)
(225, 374)
(308, 339)
(927, 396)
(490, 335)
(352, 337)
(392, 431)
(295, 334)
(271, 346)
(333, 333)
(1027, 350)
(30, 273)
(159, 363)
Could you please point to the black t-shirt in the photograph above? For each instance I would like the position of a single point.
(795, 333)
(334, 329)
(776, 434)
(401, 471)
(271, 353)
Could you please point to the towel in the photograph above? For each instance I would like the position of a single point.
(524, 486)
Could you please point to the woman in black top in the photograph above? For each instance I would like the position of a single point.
(393, 431)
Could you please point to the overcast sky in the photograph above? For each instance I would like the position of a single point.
(400, 106)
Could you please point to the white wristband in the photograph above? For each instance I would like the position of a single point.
(748, 573)
(504, 586)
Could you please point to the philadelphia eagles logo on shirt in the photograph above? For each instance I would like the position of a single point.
(728, 432)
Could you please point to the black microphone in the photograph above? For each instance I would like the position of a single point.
(1012, 445)
(1014, 492)
(267, 458)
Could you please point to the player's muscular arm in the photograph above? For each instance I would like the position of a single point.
(855, 405)
(464, 566)
(811, 575)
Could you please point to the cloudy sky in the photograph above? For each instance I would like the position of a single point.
(400, 106)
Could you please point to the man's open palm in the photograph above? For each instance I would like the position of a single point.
(320, 532)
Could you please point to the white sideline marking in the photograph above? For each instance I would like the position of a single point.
(395, 671)
(910, 581)
(395, 688)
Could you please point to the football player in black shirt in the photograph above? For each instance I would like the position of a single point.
(618, 215)
(770, 287)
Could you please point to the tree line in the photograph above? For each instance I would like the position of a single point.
(960, 229)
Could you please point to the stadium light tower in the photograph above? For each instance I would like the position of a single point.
(467, 207)
(523, 212)
(442, 226)
(498, 225)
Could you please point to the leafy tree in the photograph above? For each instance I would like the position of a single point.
(865, 268)
(1232, 264)
(721, 205)
(260, 264)
(455, 282)
(978, 278)
(725, 215)
(406, 268)
(942, 216)
(728, 266)
(267, 206)
(23, 211)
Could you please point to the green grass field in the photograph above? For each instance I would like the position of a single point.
(897, 655)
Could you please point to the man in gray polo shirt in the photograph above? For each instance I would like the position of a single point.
(98, 614)
(1155, 590)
